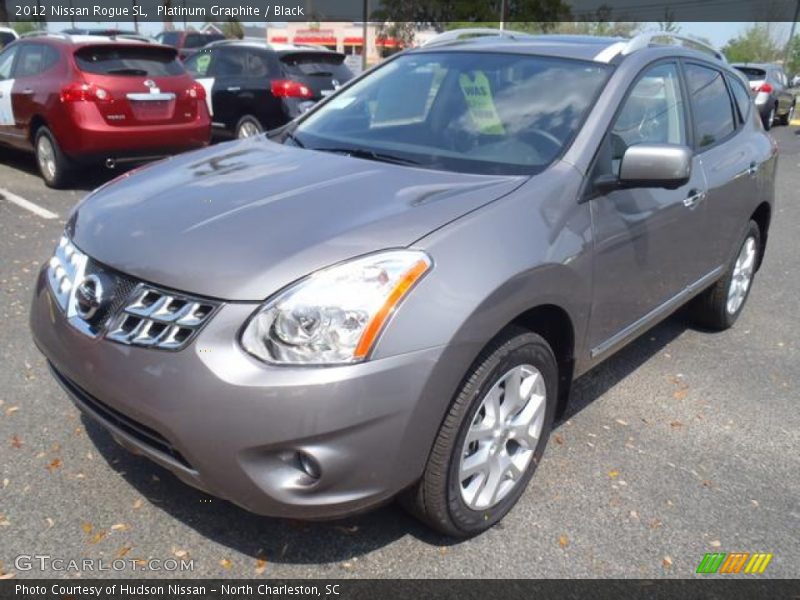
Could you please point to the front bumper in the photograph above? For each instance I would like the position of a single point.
(230, 425)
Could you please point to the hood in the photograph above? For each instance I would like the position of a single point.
(240, 220)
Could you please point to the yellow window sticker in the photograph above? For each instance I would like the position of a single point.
(478, 94)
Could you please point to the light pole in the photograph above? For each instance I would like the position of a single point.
(364, 36)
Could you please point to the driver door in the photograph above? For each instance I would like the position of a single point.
(646, 238)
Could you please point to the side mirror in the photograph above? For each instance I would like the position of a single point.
(651, 165)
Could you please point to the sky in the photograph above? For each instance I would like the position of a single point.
(717, 33)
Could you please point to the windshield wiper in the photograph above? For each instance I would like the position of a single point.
(370, 155)
(289, 135)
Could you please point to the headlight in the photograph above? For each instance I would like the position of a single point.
(335, 315)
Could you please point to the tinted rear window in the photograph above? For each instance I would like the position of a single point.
(6, 38)
(753, 74)
(170, 38)
(317, 63)
(128, 60)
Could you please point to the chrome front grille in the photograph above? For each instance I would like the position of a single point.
(120, 308)
(159, 319)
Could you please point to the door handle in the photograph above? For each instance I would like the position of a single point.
(694, 198)
(752, 170)
(27, 91)
(234, 88)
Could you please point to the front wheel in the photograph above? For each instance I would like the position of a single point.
(492, 438)
(719, 306)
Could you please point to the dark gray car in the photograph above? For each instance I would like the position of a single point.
(394, 293)
(770, 86)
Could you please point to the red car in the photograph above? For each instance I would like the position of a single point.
(82, 99)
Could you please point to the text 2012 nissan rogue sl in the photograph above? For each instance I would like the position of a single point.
(393, 294)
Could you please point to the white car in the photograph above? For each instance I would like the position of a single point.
(7, 36)
(796, 81)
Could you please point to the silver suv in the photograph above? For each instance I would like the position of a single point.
(770, 86)
(393, 293)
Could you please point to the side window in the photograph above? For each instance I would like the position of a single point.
(31, 61)
(6, 61)
(198, 64)
(742, 98)
(653, 113)
(256, 64)
(711, 105)
(229, 62)
(194, 40)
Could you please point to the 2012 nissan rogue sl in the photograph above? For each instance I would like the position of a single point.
(392, 294)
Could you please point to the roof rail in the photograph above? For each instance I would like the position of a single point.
(645, 40)
(455, 35)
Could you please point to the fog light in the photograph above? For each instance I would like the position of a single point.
(309, 465)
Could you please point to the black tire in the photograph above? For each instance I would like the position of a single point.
(248, 123)
(710, 309)
(769, 119)
(57, 175)
(787, 118)
(436, 499)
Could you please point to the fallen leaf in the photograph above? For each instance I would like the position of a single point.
(680, 394)
(261, 566)
(667, 562)
(180, 553)
(50, 522)
(676, 424)
(4, 521)
(558, 439)
(754, 503)
(715, 544)
(654, 524)
(11, 410)
(226, 564)
(87, 528)
(97, 537)
(621, 422)
(634, 514)
(6, 481)
(563, 541)
(123, 551)
(55, 464)
(442, 550)
(138, 504)
(15, 442)
(120, 527)
(613, 474)
(706, 483)
(347, 565)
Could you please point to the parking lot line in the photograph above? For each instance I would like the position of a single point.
(27, 204)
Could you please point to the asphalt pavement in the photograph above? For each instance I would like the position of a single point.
(682, 444)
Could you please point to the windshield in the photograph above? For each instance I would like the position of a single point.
(460, 111)
(753, 74)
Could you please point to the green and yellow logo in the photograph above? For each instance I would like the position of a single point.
(720, 562)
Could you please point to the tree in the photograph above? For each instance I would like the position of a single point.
(233, 29)
(669, 25)
(23, 27)
(756, 44)
(793, 57)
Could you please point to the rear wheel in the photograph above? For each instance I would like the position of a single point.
(492, 438)
(769, 119)
(54, 166)
(719, 306)
(248, 126)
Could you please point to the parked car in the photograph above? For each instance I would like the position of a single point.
(770, 87)
(74, 100)
(394, 293)
(187, 42)
(7, 35)
(252, 86)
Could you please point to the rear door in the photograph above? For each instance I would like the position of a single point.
(228, 69)
(7, 120)
(141, 84)
(727, 156)
(321, 72)
(32, 88)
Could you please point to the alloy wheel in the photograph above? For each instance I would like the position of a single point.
(502, 438)
(46, 157)
(248, 129)
(742, 276)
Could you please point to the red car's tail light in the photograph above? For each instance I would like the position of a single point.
(84, 92)
(286, 88)
(197, 91)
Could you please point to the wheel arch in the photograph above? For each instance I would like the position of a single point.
(36, 123)
(762, 216)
